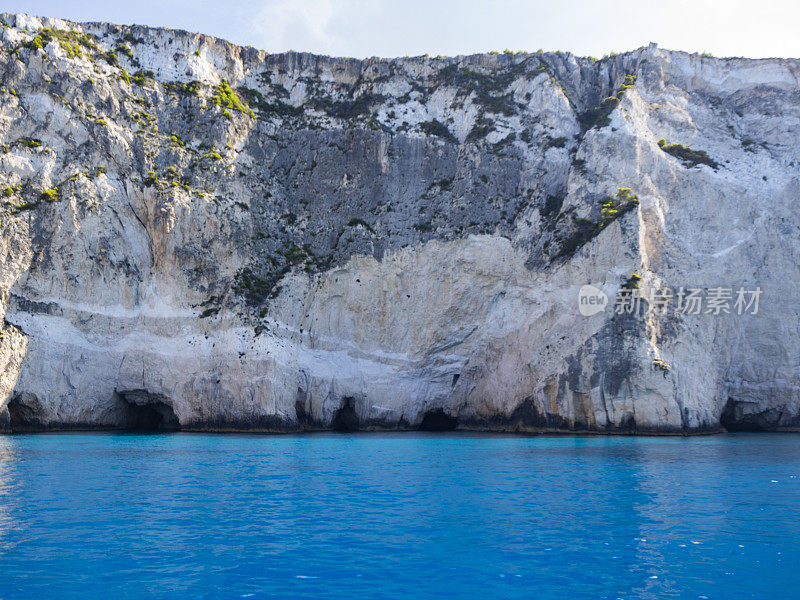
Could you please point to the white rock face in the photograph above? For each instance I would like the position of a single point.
(333, 243)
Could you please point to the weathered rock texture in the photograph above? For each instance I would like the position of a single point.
(201, 236)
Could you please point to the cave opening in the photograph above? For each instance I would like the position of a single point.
(733, 420)
(25, 413)
(438, 420)
(144, 411)
(346, 419)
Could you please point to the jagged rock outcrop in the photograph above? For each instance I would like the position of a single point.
(201, 236)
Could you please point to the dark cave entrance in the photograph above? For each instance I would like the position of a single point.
(346, 419)
(25, 413)
(438, 420)
(733, 420)
(144, 411)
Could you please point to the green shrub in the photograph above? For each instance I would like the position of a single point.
(487, 88)
(255, 289)
(25, 206)
(8, 191)
(600, 115)
(71, 42)
(660, 364)
(349, 109)
(435, 127)
(37, 43)
(611, 210)
(143, 118)
(29, 142)
(191, 88)
(483, 127)
(689, 158)
(294, 254)
(279, 108)
(50, 195)
(143, 78)
(355, 221)
(129, 37)
(423, 227)
(632, 283)
(123, 49)
(558, 142)
(628, 82)
(584, 231)
(226, 98)
(552, 206)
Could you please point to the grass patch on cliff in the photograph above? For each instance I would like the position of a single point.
(355, 222)
(661, 365)
(613, 208)
(24, 206)
(268, 108)
(557, 142)
(254, 288)
(349, 109)
(125, 50)
(488, 87)
(689, 158)
(143, 78)
(72, 43)
(50, 195)
(552, 206)
(151, 179)
(483, 127)
(600, 116)
(227, 99)
(30, 143)
(192, 88)
(294, 254)
(584, 230)
(632, 283)
(437, 128)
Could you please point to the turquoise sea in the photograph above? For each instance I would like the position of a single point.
(399, 516)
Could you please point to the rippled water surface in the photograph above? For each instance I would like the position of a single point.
(398, 516)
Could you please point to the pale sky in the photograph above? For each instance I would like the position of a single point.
(362, 28)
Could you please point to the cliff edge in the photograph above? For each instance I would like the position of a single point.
(199, 236)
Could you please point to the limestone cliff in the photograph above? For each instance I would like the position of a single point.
(201, 236)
